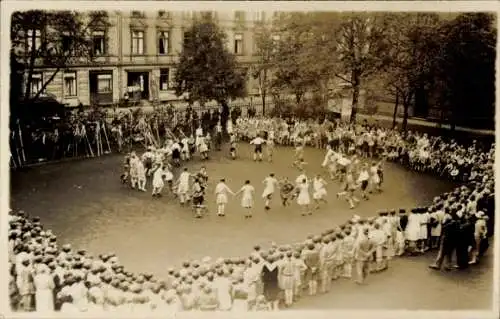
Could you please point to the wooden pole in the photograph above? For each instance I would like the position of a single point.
(106, 137)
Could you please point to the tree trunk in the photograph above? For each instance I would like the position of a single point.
(263, 97)
(394, 115)
(262, 81)
(453, 121)
(355, 95)
(31, 66)
(44, 86)
(224, 115)
(404, 125)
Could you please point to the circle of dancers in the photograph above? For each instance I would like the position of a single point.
(308, 192)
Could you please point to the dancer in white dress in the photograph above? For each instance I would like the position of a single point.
(221, 191)
(247, 192)
(141, 175)
(301, 177)
(199, 134)
(374, 178)
(271, 184)
(304, 199)
(183, 186)
(203, 147)
(169, 177)
(133, 170)
(319, 190)
(158, 184)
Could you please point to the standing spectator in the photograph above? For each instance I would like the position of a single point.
(25, 285)
(363, 253)
(465, 239)
(44, 284)
(447, 245)
(311, 259)
(270, 280)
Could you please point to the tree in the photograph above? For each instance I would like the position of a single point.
(52, 40)
(265, 61)
(361, 49)
(305, 61)
(413, 46)
(466, 68)
(207, 70)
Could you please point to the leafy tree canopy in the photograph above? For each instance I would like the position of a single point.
(207, 70)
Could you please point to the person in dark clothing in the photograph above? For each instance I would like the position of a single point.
(464, 240)
(271, 289)
(490, 212)
(448, 239)
(403, 220)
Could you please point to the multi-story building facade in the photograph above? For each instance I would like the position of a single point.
(136, 53)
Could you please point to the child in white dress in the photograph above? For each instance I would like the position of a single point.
(247, 192)
(270, 183)
(319, 190)
(304, 199)
(141, 175)
(158, 183)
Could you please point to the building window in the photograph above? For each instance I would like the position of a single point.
(238, 43)
(36, 83)
(186, 37)
(69, 84)
(163, 14)
(98, 43)
(36, 42)
(239, 16)
(104, 83)
(163, 42)
(137, 42)
(66, 42)
(259, 16)
(207, 15)
(137, 14)
(164, 79)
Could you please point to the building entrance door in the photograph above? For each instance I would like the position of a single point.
(138, 85)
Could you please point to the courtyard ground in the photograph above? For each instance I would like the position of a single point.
(84, 204)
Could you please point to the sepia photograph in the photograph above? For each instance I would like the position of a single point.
(247, 159)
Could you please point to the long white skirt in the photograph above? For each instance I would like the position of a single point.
(304, 198)
(246, 202)
(423, 232)
(182, 188)
(44, 301)
(158, 182)
(319, 193)
(412, 232)
(203, 148)
(221, 199)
